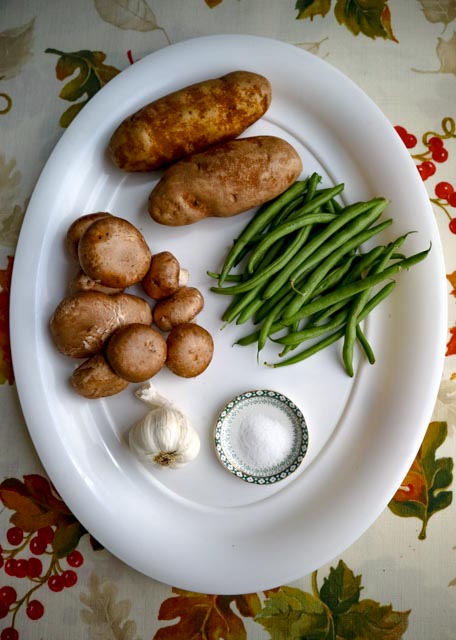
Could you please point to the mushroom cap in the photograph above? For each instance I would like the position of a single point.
(132, 309)
(83, 322)
(77, 228)
(181, 307)
(164, 276)
(94, 378)
(190, 350)
(114, 252)
(136, 352)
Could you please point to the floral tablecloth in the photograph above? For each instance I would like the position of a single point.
(399, 579)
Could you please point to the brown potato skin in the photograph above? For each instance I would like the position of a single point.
(182, 306)
(136, 352)
(225, 180)
(189, 120)
(113, 252)
(190, 350)
(94, 379)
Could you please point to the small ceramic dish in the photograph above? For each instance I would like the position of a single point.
(261, 437)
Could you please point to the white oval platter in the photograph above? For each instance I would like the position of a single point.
(201, 528)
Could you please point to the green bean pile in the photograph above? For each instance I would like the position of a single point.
(304, 275)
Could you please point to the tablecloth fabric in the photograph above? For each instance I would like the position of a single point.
(399, 579)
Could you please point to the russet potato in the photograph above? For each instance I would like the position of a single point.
(225, 180)
(189, 120)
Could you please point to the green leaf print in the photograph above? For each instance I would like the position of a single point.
(367, 620)
(293, 614)
(341, 589)
(91, 75)
(334, 612)
(312, 8)
(370, 17)
(423, 491)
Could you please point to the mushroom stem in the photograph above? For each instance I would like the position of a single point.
(183, 277)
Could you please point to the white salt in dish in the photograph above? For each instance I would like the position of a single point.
(261, 436)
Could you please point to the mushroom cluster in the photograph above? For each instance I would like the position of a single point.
(111, 329)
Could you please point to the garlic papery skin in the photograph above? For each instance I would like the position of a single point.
(164, 436)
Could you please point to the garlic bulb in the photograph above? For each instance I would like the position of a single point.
(164, 436)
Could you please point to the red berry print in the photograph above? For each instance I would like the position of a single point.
(30, 559)
(452, 225)
(440, 155)
(8, 595)
(435, 143)
(426, 169)
(402, 131)
(37, 546)
(429, 167)
(4, 609)
(46, 534)
(22, 567)
(75, 558)
(452, 199)
(70, 578)
(55, 583)
(35, 610)
(10, 566)
(407, 138)
(35, 567)
(410, 141)
(15, 535)
(443, 190)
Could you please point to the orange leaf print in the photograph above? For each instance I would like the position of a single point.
(386, 22)
(206, 617)
(424, 490)
(33, 503)
(451, 277)
(451, 344)
(6, 364)
(413, 486)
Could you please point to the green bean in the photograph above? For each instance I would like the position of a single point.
(345, 234)
(289, 347)
(330, 206)
(314, 181)
(258, 223)
(249, 310)
(241, 302)
(333, 278)
(271, 322)
(351, 289)
(321, 270)
(265, 328)
(235, 277)
(365, 345)
(270, 303)
(297, 337)
(343, 218)
(333, 337)
(274, 267)
(359, 303)
(284, 229)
